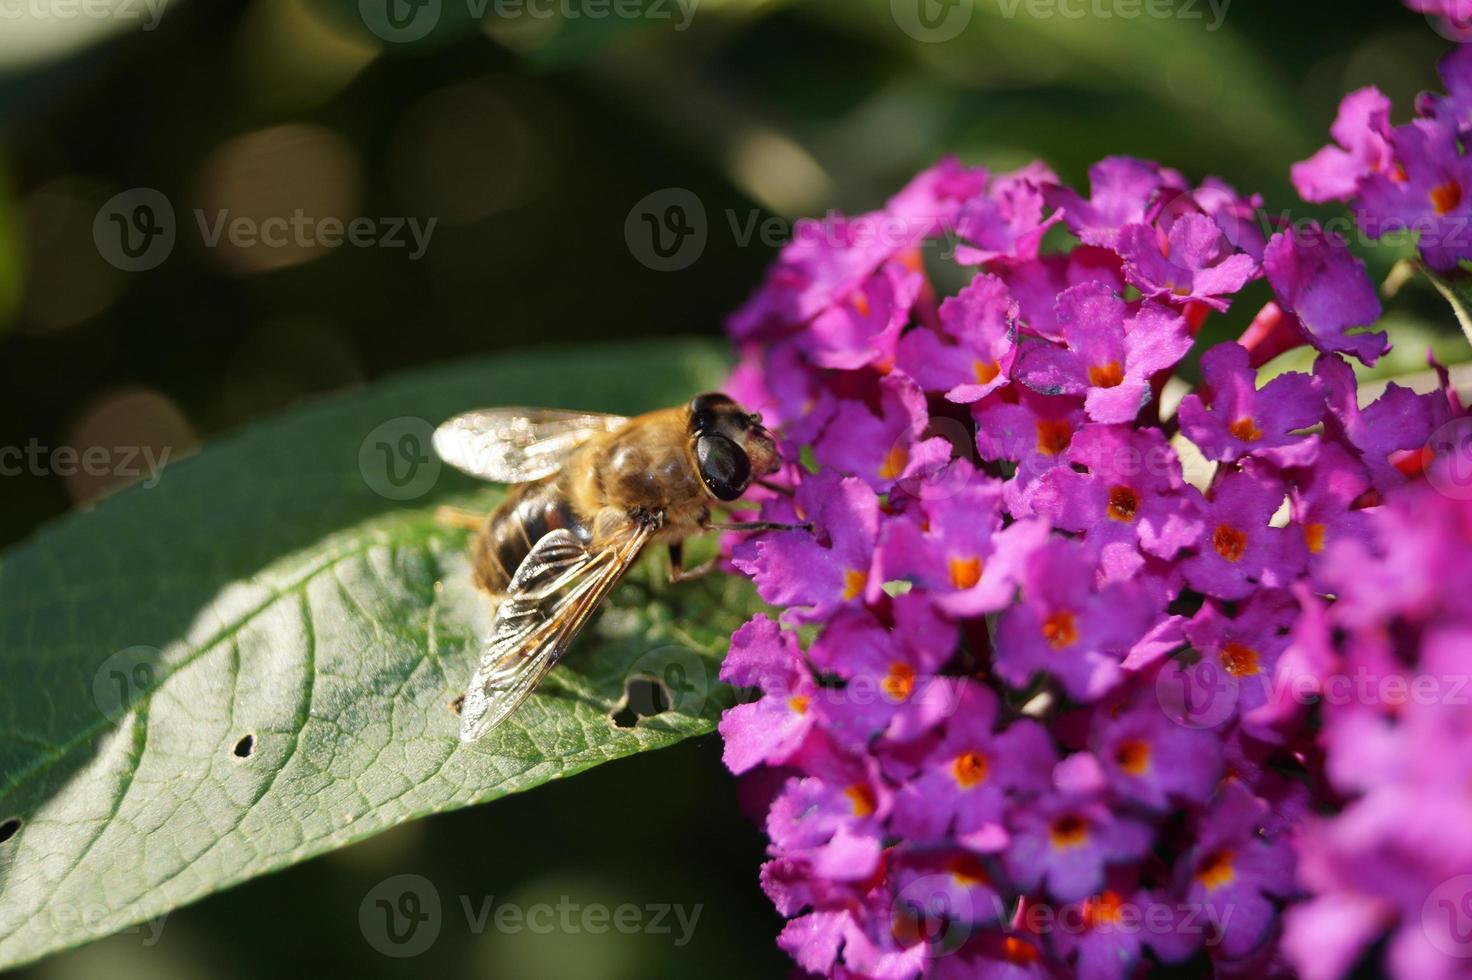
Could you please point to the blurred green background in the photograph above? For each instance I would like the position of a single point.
(529, 140)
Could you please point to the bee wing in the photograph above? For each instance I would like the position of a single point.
(517, 445)
(553, 594)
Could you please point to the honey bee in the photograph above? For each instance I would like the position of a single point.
(590, 493)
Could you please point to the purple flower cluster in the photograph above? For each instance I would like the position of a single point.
(1398, 859)
(1018, 714)
(1414, 179)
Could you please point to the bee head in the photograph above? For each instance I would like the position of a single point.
(731, 447)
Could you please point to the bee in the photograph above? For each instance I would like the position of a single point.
(590, 492)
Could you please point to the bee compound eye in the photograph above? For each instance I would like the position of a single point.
(724, 466)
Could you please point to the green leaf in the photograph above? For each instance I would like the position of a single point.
(1456, 289)
(252, 662)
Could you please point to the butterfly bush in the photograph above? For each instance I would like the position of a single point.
(1412, 180)
(1047, 689)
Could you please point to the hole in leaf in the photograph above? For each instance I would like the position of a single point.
(9, 828)
(245, 746)
(644, 697)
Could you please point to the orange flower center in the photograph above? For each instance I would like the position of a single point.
(1240, 661)
(853, 583)
(1102, 909)
(798, 703)
(899, 682)
(1109, 375)
(1245, 429)
(1133, 756)
(986, 371)
(970, 769)
(894, 463)
(1313, 536)
(861, 304)
(1018, 952)
(1054, 435)
(967, 870)
(1069, 831)
(861, 799)
(1446, 197)
(1124, 503)
(965, 572)
(1216, 870)
(1060, 630)
(1229, 542)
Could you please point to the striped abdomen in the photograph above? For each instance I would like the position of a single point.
(528, 513)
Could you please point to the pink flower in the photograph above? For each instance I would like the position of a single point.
(972, 354)
(1109, 357)
(889, 447)
(1240, 550)
(1243, 421)
(1191, 261)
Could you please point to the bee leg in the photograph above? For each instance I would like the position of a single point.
(462, 519)
(756, 526)
(678, 571)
